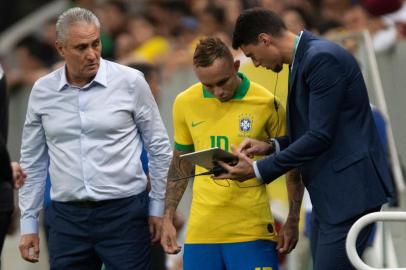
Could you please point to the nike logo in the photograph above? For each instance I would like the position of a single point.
(194, 124)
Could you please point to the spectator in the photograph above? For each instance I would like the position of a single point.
(113, 17)
(357, 19)
(152, 76)
(296, 19)
(34, 59)
(148, 46)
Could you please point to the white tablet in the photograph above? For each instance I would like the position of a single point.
(208, 158)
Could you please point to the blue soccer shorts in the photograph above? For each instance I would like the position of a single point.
(254, 255)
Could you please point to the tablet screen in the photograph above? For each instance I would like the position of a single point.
(208, 158)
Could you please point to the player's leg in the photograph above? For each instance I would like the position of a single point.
(203, 257)
(255, 255)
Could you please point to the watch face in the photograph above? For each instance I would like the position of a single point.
(273, 146)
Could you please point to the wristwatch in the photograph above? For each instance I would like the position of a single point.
(271, 141)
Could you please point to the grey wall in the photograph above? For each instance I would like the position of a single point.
(392, 67)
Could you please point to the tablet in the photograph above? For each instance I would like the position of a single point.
(207, 158)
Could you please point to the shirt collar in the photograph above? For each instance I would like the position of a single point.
(239, 93)
(297, 40)
(100, 78)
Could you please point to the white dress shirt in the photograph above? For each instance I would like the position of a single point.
(91, 138)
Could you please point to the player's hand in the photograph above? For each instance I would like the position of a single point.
(241, 171)
(155, 227)
(19, 175)
(288, 236)
(251, 147)
(29, 247)
(168, 239)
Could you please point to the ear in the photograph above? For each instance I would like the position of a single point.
(59, 47)
(265, 39)
(237, 65)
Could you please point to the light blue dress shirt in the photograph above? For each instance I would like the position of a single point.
(91, 137)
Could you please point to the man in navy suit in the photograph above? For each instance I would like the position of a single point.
(332, 138)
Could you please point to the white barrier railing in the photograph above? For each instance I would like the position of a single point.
(350, 244)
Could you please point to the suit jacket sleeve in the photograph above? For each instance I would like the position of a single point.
(283, 142)
(5, 170)
(3, 108)
(326, 84)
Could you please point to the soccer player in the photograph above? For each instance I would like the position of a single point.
(230, 224)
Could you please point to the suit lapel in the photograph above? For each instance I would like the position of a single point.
(297, 59)
(293, 74)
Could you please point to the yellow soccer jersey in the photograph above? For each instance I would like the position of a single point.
(224, 211)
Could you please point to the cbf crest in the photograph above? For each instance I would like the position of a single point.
(245, 122)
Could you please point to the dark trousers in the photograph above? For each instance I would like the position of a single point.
(5, 220)
(158, 257)
(328, 243)
(84, 235)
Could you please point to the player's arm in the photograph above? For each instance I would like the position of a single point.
(174, 192)
(289, 234)
(288, 237)
(294, 184)
(295, 190)
(174, 187)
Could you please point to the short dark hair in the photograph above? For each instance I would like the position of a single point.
(146, 68)
(38, 49)
(210, 49)
(253, 22)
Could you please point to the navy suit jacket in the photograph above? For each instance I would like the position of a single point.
(332, 138)
(6, 177)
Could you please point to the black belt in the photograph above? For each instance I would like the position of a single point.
(91, 204)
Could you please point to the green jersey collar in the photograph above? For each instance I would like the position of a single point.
(296, 44)
(239, 93)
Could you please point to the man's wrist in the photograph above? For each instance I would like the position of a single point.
(275, 147)
(293, 219)
(272, 145)
(169, 214)
(29, 226)
(256, 171)
(156, 207)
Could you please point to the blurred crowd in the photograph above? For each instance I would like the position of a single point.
(163, 33)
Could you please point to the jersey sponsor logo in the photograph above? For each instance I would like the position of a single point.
(195, 124)
(245, 122)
